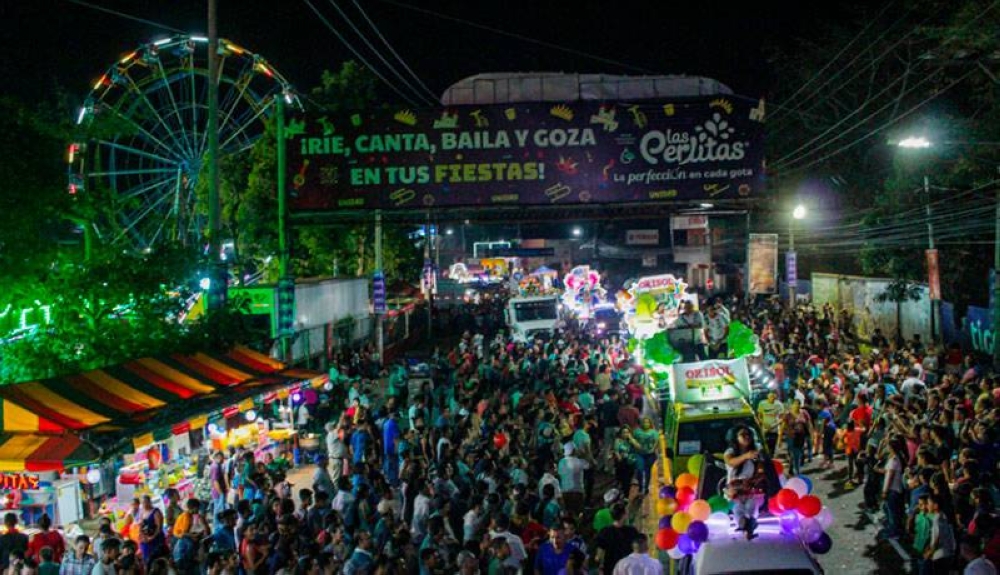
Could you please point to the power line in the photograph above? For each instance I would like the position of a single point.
(126, 16)
(840, 53)
(882, 127)
(382, 58)
(520, 37)
(392, 50)
(357, 54)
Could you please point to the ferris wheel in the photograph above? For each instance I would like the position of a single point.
(147, 120)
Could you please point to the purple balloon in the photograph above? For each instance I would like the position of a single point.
(687, 545)
(821, 545)
(667, 491)
(665, 521)
(789, 521)
(698, 531)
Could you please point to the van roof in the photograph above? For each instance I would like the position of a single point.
(766, 554)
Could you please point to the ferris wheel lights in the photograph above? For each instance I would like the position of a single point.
(128, 58)
(101, 82)
(233, 47)
(79, 117)
(288, 97)
(201, 39)
(263, 68)
(162, 41)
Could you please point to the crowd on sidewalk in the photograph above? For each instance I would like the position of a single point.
(916, 426)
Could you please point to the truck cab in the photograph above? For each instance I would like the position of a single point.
(693, 428)
(532, 317)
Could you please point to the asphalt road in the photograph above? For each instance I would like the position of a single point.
(856, 548)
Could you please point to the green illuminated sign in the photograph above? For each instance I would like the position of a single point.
(16, 320)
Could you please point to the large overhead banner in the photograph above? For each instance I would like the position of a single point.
(527, 154)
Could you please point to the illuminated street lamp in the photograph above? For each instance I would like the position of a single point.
(918, 142)
(577, 232)
(791, 262)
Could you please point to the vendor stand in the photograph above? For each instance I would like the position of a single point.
(160, 412)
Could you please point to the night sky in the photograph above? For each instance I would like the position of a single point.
(56, 44)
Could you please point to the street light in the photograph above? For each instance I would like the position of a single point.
(920, 143)
(577, 231)
(791, 263)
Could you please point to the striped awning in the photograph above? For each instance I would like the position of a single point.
(132, 392)
(37, 452)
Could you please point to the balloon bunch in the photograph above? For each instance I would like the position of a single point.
(801, 514)
(742, 341)
(686, 521)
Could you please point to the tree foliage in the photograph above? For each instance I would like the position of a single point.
(250, 203)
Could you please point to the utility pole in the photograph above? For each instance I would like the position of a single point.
(935, 302)
(379, 277)
(217, 287)
(996, 285)
(286, 284)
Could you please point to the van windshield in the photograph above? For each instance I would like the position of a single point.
(708, 436)
(535, 310)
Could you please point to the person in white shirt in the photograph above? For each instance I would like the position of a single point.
(421, 511)
(571, 470)
(639, 562)
(912, 385)
(972, 552)
(517, 552)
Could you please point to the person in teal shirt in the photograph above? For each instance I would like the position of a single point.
(644, 440)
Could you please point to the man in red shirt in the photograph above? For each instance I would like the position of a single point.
(628, 414)
(862, 414)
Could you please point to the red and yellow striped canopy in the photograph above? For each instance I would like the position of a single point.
(36, 452)
(130, 392)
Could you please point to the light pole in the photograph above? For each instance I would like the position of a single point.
(791, 262)
(933, 279)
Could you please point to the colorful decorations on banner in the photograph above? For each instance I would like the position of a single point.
(705, 148)
(18, 481)
(652, 304)
(583, 291)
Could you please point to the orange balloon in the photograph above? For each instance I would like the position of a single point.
(700, 510)
(686, 480)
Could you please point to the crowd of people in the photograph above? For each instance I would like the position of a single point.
(916, 427)
(536, 458)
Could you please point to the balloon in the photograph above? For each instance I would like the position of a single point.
(667, 492)
(694, 464)
(685, 495)
(789, 521)
(809, 505)
(686, 480)
(687, 545)
(675, 553)
(741, 340)
(808, 482)
(787, 499)
(773, 507)
(718, 503)
(822, 545)
(779, 467)
(698, 531)
(666, 506)
(810, 529)
(797, 485)
(825, 518)
(681, 521)
(500, 440)
(699, 510)
(664, 522)
(666, 539)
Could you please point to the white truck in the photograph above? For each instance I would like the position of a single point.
(532, 317)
